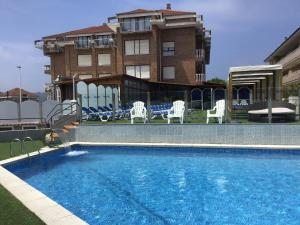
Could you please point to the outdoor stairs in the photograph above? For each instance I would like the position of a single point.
(65, 129)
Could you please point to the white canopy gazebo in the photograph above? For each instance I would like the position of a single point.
(262, 81)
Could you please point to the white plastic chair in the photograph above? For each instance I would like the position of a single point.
(177, 111)
(219, 111)
(138, 111)
(244, 102)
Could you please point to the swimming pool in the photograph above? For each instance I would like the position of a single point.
(152, 185)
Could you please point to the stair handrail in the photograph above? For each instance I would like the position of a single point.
(71, 105)
(15, 140)
(32, 141)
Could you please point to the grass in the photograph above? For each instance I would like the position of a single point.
(12, 211)
(5, 148)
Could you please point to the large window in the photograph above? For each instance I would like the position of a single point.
(168, 48)
(83, 42)
(84, 60)
(139, 71)
(103, 40)
(104, 59)
(137, 47)
(136, 24)
(169, 72)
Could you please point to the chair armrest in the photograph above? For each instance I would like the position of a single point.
(131, 110)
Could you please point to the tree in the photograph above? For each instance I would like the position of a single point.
(217, 80)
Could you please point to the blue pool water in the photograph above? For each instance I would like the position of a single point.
(130, 185)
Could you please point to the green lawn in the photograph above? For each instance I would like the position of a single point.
(12, 212)
(5, 148)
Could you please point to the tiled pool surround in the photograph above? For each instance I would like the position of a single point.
(231, 134)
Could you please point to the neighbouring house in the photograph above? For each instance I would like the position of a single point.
(133, 53)
(14, 94)
(288, 55)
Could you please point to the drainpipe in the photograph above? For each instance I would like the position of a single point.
(74, 97)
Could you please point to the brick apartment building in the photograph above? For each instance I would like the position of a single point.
(136, 51)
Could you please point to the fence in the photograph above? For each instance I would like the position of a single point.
(241, 105)
(30, 112)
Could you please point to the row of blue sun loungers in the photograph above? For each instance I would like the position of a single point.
(105, 113)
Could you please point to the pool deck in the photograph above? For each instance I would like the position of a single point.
(52, 213)
(49, 211)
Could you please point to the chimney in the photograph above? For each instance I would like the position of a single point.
(169, 6)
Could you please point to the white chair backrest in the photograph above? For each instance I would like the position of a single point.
(178, 108)
(244, 102)
(138, 108)
(220, 107)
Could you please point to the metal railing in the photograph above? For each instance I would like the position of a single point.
(22, 143)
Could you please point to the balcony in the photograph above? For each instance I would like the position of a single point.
(39, 44)
(200, 54)
(291, 77)
(136, 26)
(200, 77)
(82, 45)
(290, 59)
(103, 43)
(51, 48)
(47, 69)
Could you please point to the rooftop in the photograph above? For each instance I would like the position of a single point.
(88, 30)
(15, 93)
(287, 46)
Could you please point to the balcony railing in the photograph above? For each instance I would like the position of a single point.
(136, 26)
(52, 48)
(103, 43)
(200, 77)
(47, 69)
(82, 45)
(290, 57)
(200, 54)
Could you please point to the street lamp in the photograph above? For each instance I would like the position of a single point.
(20, 84)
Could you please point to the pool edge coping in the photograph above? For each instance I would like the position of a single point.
(151, 144)
(45, 208)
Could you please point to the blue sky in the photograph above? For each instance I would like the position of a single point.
(244, 31)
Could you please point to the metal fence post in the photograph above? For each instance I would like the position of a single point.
(269, 104)
(226, 106)
(299, 103)
(148, 106)
(186, 105)
(19, 111)
(113, 106)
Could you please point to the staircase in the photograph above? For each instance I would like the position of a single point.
(64, 117)
(56, 133)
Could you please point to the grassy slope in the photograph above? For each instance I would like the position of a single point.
(12, 212)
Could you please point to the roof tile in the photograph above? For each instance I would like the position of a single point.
(88, 30)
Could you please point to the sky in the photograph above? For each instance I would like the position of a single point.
(244, 32)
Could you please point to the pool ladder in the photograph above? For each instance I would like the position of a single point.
(26, 139)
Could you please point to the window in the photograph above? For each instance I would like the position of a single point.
(104, 75)
(103, 59)
(137, 47)
(145, 72)
(168, 48)
(83, 42)
(85, 76)
(84, 60)
(136, 24)
(169, 72)
(103, 40)
(139, 71)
